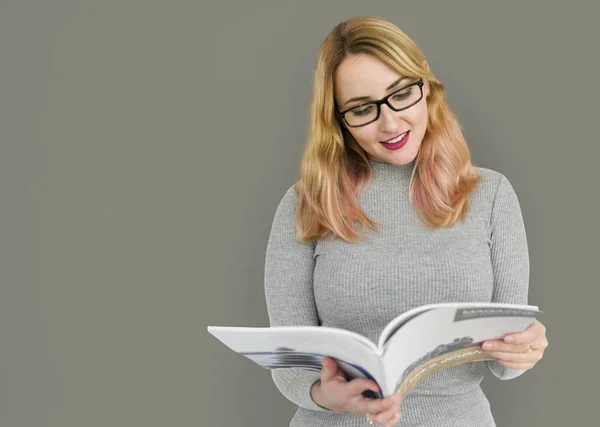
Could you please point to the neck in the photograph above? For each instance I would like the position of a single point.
(391, 175)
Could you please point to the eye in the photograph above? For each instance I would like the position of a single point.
(403, 94)
(362, 111)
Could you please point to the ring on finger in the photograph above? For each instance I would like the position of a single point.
(369, 418)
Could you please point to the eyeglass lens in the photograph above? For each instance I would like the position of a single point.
(403, 98)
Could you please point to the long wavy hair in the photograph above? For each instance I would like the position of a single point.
(334, 168)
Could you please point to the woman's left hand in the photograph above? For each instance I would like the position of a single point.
(521, 350)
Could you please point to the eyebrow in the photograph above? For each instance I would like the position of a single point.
(364, 98)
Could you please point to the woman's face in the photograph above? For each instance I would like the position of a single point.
(363, 75)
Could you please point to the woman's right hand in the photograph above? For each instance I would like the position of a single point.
(340, 395)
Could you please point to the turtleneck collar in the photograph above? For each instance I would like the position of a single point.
(391, 175)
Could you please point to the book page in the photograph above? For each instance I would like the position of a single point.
(447, 336)
(304, 347)
(396, 323)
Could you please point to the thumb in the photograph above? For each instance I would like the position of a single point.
(330, 369)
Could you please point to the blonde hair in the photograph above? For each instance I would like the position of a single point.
(334, 168)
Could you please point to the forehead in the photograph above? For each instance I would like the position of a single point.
(362, 75)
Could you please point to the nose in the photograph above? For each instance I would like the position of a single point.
(388, 119)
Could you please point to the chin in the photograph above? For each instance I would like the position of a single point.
(401, 159)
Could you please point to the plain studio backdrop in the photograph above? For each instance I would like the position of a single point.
(146, 145)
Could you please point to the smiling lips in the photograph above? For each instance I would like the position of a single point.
(396, 142)
(394, 139)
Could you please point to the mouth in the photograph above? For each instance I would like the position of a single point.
(394, 139)
(397, 142)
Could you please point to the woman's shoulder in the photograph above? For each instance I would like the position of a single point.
(495, 195)
(489, 177)
(290, 197)
(492, 185)
(489, 183)
(288, 203)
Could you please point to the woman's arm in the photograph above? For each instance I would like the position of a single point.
(289, 295)
(509, 257)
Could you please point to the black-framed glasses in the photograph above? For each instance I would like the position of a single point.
(398, 100)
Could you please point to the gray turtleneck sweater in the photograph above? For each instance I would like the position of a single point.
(362, 286)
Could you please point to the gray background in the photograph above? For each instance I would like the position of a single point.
(146, 145)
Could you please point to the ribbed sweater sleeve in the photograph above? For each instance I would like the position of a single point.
(509, 256)
(289, 295)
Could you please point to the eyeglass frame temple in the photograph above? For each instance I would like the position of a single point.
(384, 100)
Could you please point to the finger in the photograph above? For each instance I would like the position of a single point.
(502, 346)
(515, 348)
(524, 337)
(393, 419)
(387, 418)
(396, 418)
(516, 357)
(375, 406)
(330, 369)
(358, 385)
(330, 364)
(534, 331)
(384, 417)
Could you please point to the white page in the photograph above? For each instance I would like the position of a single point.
(400, 320)
(437, 329)
(304, 346)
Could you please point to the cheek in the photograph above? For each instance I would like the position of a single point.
(362, 136)
(417, 119)
(365, 135)
(423, 115)
(416, 116)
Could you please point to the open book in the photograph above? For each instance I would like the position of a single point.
(412, 346)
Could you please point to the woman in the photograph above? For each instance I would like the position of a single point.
(390, 214)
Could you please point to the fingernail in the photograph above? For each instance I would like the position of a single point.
(509, 339)
(487, 346)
